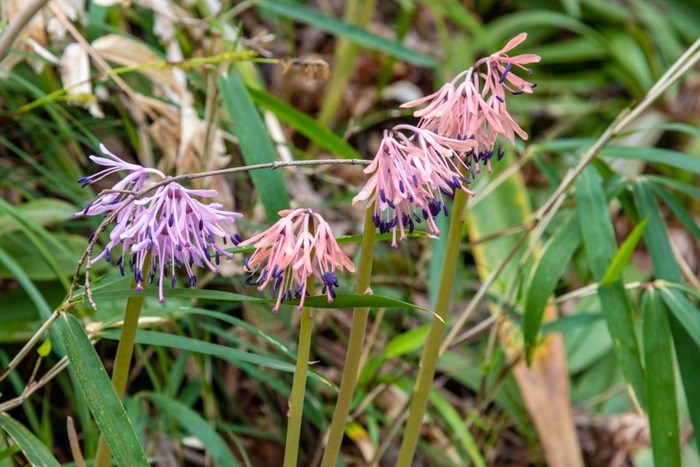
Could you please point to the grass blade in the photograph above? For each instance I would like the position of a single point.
(305, 125)
(195, 425)
(90, 378)
(255, 144)
(31, 446)
(666, 268)
(549, 269)
(599, 243)
(623, 255)
(340, 28)
(661, 390)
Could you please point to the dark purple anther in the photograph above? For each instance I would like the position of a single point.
(505, 73)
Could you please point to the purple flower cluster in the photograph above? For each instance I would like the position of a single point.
(459, 129)
(175, 228)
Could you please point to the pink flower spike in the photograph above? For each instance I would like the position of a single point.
(171, 224)
(409, 177)
(297, 246)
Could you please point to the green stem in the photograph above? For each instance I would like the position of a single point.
(122, 364)
(355, 346)
(296, 401)
(431, 350)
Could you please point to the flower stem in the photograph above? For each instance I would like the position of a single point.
(122, 364)
(296, 401)
(431, 350)
(355, 345)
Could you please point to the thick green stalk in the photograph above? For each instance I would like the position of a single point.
(296, 401)
(122, 364)
(431, 350)
(355, 347)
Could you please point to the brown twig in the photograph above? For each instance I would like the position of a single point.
(18, 23)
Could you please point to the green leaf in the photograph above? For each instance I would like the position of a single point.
(255, 144)
(40, 212)
(340, 28)
(234, 356)
(406, 342)
(666, 268)
(32, 447)
(548, 270)
(661, 389)
(599, 244)
(461, 431)
(318, 301)
(18, 273)
(90, 379)
(678, 209)
(192, 423)
(623, 255)
(655, 155)
(305, 125)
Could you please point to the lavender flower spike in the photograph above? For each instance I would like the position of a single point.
(178, 230)
(296, 247)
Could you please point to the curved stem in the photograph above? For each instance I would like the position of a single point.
(431, 350)
(355, 345)
(296, 400)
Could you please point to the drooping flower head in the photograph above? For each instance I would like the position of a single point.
(171, 224)
(473, 105)
(459, 129)
(297, 246)
(410, 175)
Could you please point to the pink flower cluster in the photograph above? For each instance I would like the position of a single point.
(174, 227)
(296, 247)
(459, 129)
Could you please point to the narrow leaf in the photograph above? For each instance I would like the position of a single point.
(666, 268)
(623, 255)
(31, 446)
(661, 388)
(90, 378)
(255, 144)
(340, 28)
(305, 125)
(195, 425)
(557, 253)
(599, 242)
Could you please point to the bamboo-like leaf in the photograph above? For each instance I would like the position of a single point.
(304, 124)
(678, 209)
(549, 269)
(192, 423)
(661, 388)
(456, 423)
(599, 242)
(354, 33)
(90, 379)
(234, 356)
(666, 268)
(623, 255)
(31, 446)
(255, 144)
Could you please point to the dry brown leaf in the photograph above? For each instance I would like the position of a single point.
(127, 52)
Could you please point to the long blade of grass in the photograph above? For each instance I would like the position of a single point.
(90, 378)
(548, 270)
(666, 268)
(341, 28)
(305, 125)
(255, 144)
(31, 446)
(623, 255)
(658, 358)
(599, 242)
(195, 425)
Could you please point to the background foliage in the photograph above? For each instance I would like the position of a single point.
(607, 271)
